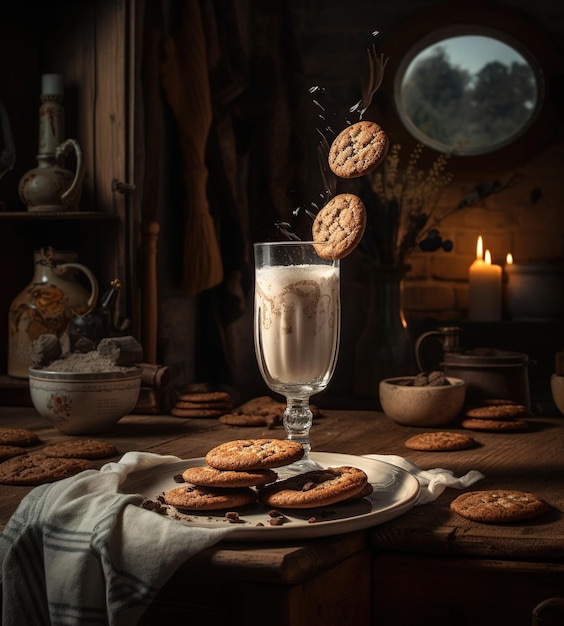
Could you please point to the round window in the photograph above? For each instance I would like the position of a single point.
(467, 90)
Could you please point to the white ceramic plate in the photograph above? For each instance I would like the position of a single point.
(395, 492)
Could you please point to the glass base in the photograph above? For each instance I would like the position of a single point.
(298, 419)
(298, 467)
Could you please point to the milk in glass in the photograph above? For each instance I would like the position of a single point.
(297, 325)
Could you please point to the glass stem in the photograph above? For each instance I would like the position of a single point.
(297, 422)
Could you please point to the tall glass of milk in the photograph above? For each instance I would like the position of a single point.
(297, 321)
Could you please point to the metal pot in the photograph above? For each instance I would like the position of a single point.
(491, 373)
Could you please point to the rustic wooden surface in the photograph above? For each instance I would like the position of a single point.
(428, 542)
(531, 461)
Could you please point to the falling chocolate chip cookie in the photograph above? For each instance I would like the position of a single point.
(339, 226)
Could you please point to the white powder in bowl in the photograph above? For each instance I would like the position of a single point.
(84, 363)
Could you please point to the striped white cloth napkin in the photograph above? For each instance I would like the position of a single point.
(79, 552)
(432, 481)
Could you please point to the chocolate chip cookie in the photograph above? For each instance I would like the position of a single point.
(8, 452)
(440, 441)
(497, 411)
(315, 488)
(17, 437)
(253, 454)
(81, 449)
(37, 469)
(210, 477)
(358, 149)
(491, 425)
(339, 226)
(498, 505)
(194, 498)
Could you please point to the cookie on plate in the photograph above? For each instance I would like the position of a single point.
(81, 449)
(315, 488)
(497, 411)
(8, 452)
(205, 476)
(17, 437)
(37, 469)
(440, 441)
(194, 498)
(366, 491)
(492, 426)
(339, 226)
(358, 149)
(498, 505)
(253, 454)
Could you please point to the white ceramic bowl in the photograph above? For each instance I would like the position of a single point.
(84, 404)
(421, 406)
(557, 388)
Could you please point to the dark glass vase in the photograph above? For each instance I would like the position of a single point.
(385, 347)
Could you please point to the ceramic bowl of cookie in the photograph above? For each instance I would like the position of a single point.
(78, 403)
(426, 400)
(557, 388)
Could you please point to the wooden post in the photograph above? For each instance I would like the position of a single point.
(150, 232)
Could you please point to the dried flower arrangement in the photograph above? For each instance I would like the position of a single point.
(404, 208)
(401, 204)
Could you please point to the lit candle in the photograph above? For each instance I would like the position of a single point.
(485, 286)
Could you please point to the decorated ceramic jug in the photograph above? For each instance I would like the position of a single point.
(47, 304)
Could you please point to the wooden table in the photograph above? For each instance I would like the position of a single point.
(428, 566)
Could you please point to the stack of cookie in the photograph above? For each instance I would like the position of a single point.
(232, 469)
(202, 404)
(235, 471)
(261, 411)
(497, 415)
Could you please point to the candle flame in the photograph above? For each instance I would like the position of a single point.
(480, 248)
(488, 258)
(509, 259)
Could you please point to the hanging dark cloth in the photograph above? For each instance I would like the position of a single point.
(229, 155)
(254, 150)
(184, 77)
